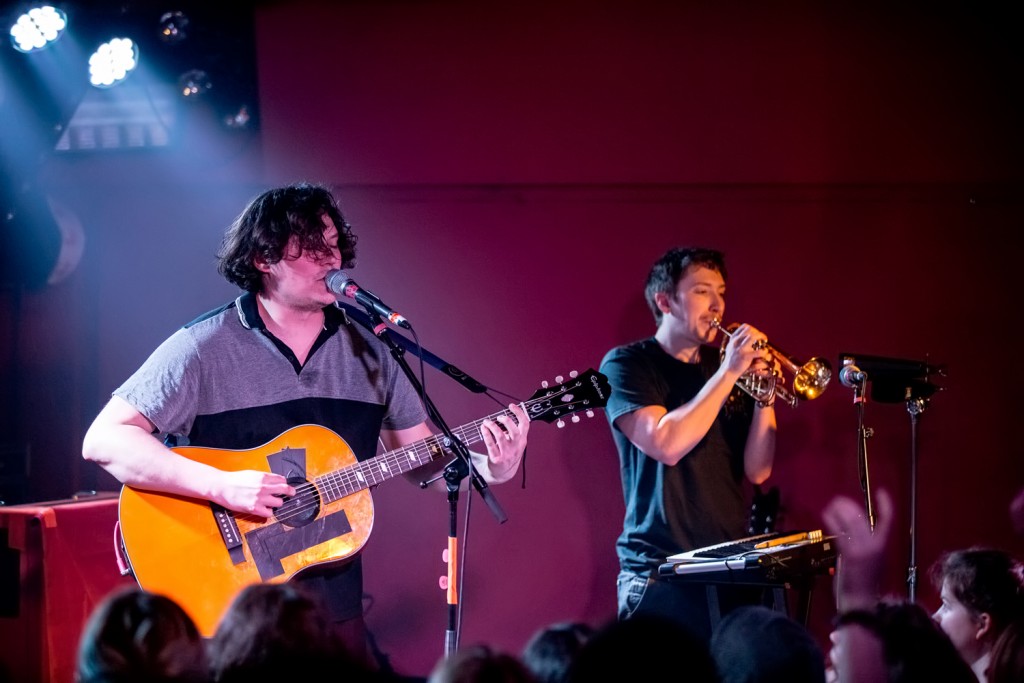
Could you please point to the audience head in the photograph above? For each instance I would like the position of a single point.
(911, 646)
(550, 651)
(982, 591)
(1007, 658)
(135, 635)
(269, 629)
(643, 648)
(480, 664)
(754, 644)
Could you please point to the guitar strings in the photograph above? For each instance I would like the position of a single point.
(356, 477)
(362, 475)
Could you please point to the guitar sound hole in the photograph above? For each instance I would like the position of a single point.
(302, 508)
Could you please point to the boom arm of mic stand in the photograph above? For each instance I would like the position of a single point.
(403, 341)
(454, 472)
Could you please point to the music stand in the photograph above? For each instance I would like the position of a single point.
(893, 380)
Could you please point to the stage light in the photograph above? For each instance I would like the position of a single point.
(238, 120)
(112, 62)
(194, 83)
(37, 28)
(191, 61)
(172, 27)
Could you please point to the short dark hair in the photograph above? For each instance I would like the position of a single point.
(668, 270)
(756, 644)
(265, 227)
(550, 650)
(480, 662)
(984, 580)
(667, 646)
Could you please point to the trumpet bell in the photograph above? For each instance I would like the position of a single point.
(812, 379)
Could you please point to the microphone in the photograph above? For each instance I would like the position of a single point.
(340, 284)
(852, 376)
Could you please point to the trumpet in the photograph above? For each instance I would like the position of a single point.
(810, 379)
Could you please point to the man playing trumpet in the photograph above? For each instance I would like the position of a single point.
(686, 436)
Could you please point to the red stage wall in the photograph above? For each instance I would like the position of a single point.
(512, 170)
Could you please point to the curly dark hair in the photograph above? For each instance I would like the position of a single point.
(264, 229)
(668, 270)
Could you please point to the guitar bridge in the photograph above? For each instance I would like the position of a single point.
(229, 533)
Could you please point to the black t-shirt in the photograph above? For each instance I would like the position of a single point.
(700, 500)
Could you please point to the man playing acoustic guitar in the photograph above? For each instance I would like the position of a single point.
(268, 372)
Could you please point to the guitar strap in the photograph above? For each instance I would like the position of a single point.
(409, 345)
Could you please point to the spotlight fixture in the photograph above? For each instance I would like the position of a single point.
(173, 26)
(195, 62)
(37, 28)
(112, 62)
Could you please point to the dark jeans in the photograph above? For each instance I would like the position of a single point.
(683, 602)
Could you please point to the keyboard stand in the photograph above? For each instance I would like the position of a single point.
(802, 591)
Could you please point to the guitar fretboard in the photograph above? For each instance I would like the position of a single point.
(340, 483)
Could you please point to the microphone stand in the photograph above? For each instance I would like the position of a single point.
(454, 472)
(915, 406)
(895, 380)
(863, 434)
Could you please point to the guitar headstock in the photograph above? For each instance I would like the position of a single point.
(580, 393)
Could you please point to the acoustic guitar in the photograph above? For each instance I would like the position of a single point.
(202, 555)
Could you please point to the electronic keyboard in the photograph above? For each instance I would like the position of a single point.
(776, 557)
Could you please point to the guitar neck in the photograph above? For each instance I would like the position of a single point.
(340, 483)
(583, 392)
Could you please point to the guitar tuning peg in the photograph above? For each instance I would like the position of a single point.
(590, 413)
(574, 374)
(559, 379)
(575, 419)
(560, 423)
(544, 384)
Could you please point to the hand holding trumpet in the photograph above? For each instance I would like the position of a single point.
(746, 348)
(747, 351)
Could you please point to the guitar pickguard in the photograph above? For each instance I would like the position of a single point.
(271, 543)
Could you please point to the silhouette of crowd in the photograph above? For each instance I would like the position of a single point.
(274, 630)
